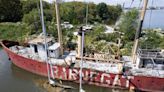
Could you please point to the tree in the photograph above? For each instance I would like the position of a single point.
(102, 11)
(128, 25)
(114, 12)
(151, 39)
(32, 19)
(10, 10)
(162, 43)
(29, 5)
(74, 12)
(92, 13)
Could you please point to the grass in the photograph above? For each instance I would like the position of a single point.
(13, 31)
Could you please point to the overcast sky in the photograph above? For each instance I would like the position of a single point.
(127, 2)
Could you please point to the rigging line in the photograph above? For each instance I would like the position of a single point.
(131, 3)
(151, 11)
(139, 4)
(123, 6)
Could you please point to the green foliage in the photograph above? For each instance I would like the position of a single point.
(93, 40)
(32, 19)
(114, 12)
(127, 49)
(161, 45)
(109, 37)
(33, 4)
(51, 29)
(129, 24)
(14, 31)
(30, 5)
(152, 39)
(102, 11)
(75, 12)
(10, 10)
(94, 35)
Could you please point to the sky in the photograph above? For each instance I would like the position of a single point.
(115, 2)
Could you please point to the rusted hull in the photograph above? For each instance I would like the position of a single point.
(89, 76)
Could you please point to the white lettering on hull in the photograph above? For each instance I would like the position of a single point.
(116, 81)
(103, 80)
(64, 73)
(91, 76)
(73, 74)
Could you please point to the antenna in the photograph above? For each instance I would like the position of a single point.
(138, 32)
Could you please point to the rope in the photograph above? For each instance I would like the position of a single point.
(131, 3)
(152, 3)
(139, 4)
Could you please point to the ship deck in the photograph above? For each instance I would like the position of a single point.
(69, 60)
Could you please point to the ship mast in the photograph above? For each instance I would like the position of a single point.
(59, 26)
(45, 44)
(138, 32)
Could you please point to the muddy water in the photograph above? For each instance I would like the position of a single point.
(14, 79)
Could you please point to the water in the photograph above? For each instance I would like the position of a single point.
(14, 79)
(153, 19)
(156, 20)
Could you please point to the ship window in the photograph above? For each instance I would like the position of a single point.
(35, 48)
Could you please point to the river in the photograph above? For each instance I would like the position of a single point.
(154, 19)
(14, 79)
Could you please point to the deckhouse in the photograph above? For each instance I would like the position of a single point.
(37, 46)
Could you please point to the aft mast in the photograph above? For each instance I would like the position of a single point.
(138, 32)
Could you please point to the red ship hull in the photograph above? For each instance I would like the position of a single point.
(98, 78)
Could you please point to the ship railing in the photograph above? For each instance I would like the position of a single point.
(154, 64)
(148, 54)
(101, 60)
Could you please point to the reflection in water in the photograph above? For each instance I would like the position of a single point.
(14, 79)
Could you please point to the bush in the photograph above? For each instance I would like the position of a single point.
(14, 31)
